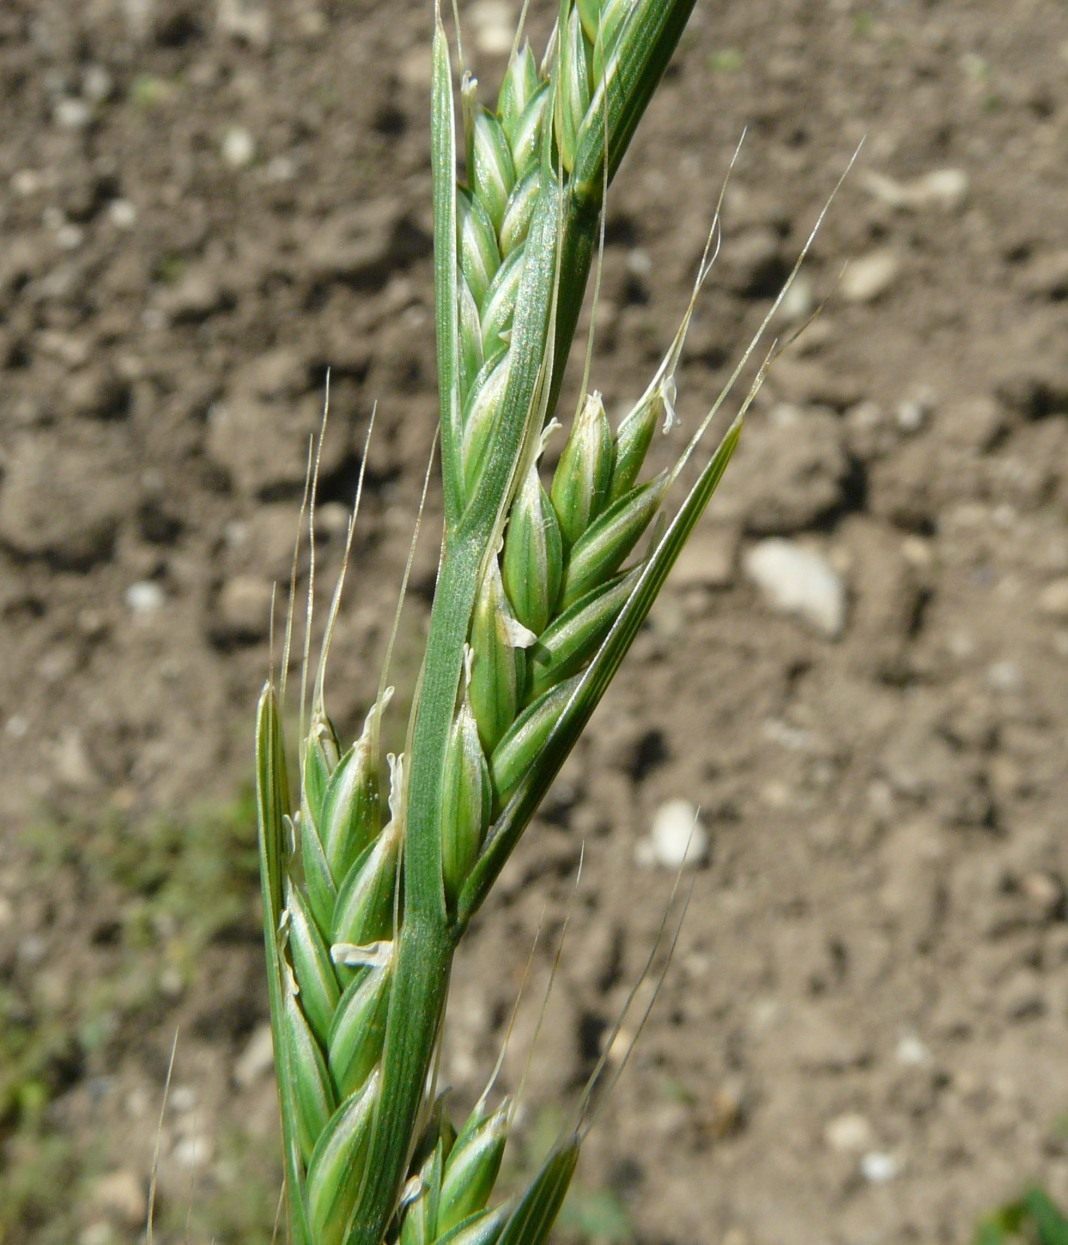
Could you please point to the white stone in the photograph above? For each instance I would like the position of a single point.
(72, 113)
(944, 189)
(878, 1167)
(677, 839)
(870, 276)
(848, 1133)
(911, 1052)
(1053, 600)
(122, 213)
(798, 581)
(144, 597)
(257, 1059)
(238, 147)
(97, 84)
(493, 24)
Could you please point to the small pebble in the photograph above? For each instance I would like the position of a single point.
(871, 276)
(848, 1133)
(144, 597)
(72, 114)
(238, 147)
(97, 84)
(878, 1167)
(257, 1059)
(677, 838)
(798, 581)
(493, 23)
(1053, 600)
(911, 1052)
(944, 189)
(121, 1194)
(122, 213)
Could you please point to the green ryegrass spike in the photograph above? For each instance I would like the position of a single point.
(645, 45)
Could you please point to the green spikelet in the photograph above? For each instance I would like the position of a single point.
(519, 87)
(366, 898)
(466, 802)
(358, 1029)
(333, 1180)
(472, 1166)
(583, 477)
(635, 434)
(480, 414)
(494, 690)
(565, 647)
(602, 548)
(351, 815)
(533, 561)
(533, 1218)
(492, 173)
(316, 980)
(573, 93)
(521, 746)
(480, 256)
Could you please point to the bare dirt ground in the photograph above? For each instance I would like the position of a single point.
(862, 1037)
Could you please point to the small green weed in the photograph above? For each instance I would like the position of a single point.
(1033, 1219)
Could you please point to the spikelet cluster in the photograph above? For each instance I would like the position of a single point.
(556, 587)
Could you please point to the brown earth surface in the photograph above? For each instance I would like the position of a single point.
(861, 1039)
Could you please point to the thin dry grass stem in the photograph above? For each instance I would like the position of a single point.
(153, 1180)
(750, 349)
(585, 1111)
(287, 643)
(309, 611)
(557, 957)
(339, 587)
(514, 1016)
(279, 1212)
(598, 272)
(387, 660)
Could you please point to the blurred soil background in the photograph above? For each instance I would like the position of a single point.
(859, 673)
